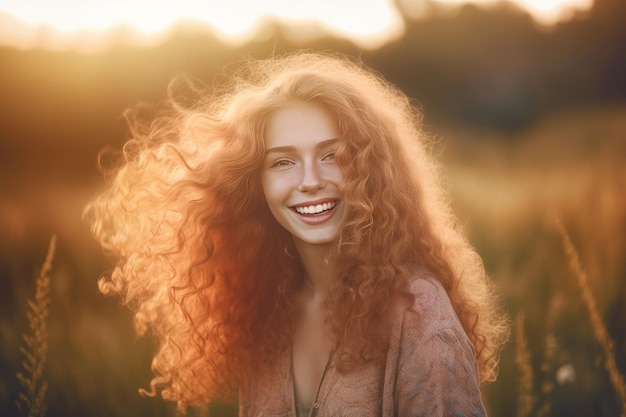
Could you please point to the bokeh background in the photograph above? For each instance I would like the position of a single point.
(529, 120)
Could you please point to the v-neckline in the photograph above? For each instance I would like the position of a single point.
(292, 382)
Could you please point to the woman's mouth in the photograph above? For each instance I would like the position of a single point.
(315, 209)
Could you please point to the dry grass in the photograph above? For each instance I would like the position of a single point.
(505, 191)
(599, 330)
(525, 398)
(547, 383)
(32, 400)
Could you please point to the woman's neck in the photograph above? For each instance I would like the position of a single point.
(319, 266)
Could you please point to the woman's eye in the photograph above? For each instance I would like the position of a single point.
(329, 156)
(280, 163)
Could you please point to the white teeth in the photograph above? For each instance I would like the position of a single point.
(316, 209)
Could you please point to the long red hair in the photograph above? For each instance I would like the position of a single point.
(205, 266)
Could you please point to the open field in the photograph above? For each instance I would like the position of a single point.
(570, 169)
(510, 193)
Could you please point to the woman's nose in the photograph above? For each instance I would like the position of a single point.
(312, 178)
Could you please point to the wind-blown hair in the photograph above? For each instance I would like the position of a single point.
(205, 266)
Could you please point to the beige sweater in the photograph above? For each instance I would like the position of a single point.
(430, 371)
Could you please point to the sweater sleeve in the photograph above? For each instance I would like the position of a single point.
(436, 368)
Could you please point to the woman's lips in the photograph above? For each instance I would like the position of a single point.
(315, 209)
(316, 212)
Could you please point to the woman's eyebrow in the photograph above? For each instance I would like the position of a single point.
(280, 149)
(288, 149)
(326, 143)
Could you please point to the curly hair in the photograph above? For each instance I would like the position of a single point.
(204, 265)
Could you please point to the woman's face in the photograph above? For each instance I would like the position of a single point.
(300, 178)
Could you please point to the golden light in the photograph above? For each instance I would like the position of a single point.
(89, 25)
(545, 12)
(549, 12)
(74, 24)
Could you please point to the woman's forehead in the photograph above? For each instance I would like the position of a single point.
(299, 124)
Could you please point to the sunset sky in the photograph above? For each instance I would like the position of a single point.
(89, 25)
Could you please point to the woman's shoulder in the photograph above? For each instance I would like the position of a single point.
(434, 359)
(428, 330)
(430, 309)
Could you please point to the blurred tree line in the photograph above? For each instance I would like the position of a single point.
(488, 69)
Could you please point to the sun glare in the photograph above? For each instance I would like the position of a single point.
(549, 12)
(72, 24)
(90, 25)
(545, 12)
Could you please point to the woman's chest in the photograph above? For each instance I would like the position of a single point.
(355, 393)
(309, 361)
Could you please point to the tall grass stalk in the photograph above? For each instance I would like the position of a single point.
(525, 398)
(547, 386)
(599, 330)
(32, 400)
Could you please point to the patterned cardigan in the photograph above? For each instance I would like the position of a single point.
(430, 370)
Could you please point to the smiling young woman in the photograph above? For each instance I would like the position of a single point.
(289, 239)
